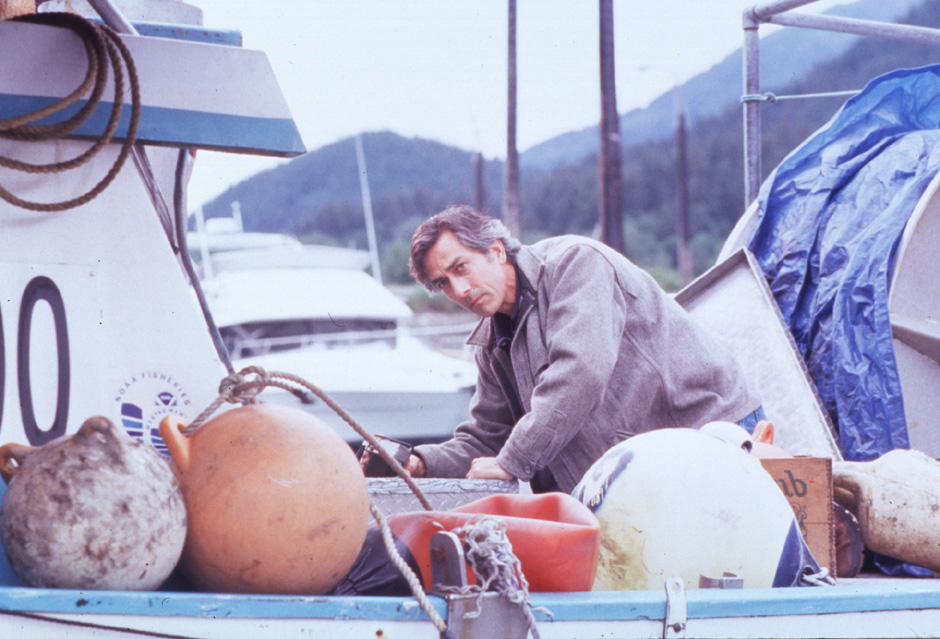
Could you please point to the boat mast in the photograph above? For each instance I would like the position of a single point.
(367, 210)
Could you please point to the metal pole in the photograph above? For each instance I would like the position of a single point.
(760, 12)
(683, 254)
(510, 207)
(367, 209)
(920, 35)
(113, 17)
(776, 13)
(610, 147)
(479, 187)
(752, 149)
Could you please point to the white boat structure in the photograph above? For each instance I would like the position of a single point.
(313, 310)
(99, 315)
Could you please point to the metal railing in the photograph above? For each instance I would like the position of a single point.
(243, 346)
(780, 13)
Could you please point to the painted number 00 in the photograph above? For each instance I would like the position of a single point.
(39, 289)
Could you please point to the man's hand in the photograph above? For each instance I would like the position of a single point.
(415, 467)
(487, 468)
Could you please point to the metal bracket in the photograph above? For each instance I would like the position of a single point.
(490, 615)
(470, 614)
(676, 609)
(727, 581)
(448, 564)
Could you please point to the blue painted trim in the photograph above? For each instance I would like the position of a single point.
(581, 606)
(749, 602)
(185, 604)
(189, 33)
(177, 127)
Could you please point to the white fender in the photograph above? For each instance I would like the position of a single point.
(679, 502)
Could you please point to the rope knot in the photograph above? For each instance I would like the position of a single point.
(238, 388)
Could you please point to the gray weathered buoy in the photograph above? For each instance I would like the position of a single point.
(97, 510)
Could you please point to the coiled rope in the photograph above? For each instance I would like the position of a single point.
(103, 48)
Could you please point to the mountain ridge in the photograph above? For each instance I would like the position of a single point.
(711, 91)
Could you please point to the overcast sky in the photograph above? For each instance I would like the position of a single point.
(436, 69)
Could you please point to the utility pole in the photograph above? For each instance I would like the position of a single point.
(479, 188)
(511, 172)
(611, 175)
(683, 254)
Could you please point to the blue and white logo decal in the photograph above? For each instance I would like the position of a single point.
(144, 399)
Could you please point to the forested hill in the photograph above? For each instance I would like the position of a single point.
(784, 55)
(318, 197)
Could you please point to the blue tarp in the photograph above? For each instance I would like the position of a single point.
(831, 217)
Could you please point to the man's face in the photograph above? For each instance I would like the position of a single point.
(482, 283)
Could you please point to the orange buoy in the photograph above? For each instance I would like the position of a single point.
(276, 500)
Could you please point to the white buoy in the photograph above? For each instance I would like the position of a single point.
(682, 503)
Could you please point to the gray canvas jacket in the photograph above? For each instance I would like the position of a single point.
(601, 355)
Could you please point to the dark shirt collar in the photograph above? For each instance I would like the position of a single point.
(504, 326)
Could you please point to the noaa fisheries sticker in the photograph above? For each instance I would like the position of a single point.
(144, 399)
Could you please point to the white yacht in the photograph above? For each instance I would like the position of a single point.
(314, 311)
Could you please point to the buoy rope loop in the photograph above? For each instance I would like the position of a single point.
(101, 43)
(490, 555)
(238, 388)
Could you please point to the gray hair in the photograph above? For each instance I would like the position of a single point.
(476, 231)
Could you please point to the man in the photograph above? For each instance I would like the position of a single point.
(577, 350)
